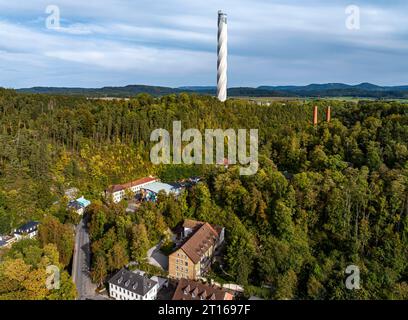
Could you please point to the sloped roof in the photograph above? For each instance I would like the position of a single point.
(29, 226)
(194, 290)
(200, 242)
(132, 281)
(119, 187)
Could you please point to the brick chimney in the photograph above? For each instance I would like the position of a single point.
(315, 116)
(328, 114)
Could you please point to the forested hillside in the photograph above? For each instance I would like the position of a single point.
(365, 90)
(323, 198)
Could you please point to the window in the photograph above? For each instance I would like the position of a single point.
(186, 263)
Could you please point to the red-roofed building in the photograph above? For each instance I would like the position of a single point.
(194, 257)
(194, 290)
(118, 191)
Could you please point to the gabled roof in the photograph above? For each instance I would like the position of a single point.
(200, 242)
(120, 187)
(28, 227)
(132, 281)
(194, 290)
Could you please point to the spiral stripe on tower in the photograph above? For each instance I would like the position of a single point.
(222, 57)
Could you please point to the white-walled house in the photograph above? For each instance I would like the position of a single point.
(29, 230)
(6, 241)
(128, 285)
(118, 191)
(79, 205)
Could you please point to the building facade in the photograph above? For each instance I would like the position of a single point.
(29, 230)
(195, 290)
(7, 241)
(198, 243)
(118, 191)
(150, 192)
(79, 205)
(128, 285)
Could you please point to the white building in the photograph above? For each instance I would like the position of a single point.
(118, 191)
(151, 191)
(128, 285)
(79, 205)
(29, 230)
(6, 241)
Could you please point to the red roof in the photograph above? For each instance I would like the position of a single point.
(200, 242)
(119, 187)
(194, 290)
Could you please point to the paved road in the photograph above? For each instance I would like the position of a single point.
(157, 258)
(82, 264)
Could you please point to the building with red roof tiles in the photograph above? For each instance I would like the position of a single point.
(118, 191)
(194, 256)
(195, 290)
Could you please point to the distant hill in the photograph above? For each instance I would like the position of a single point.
(126, 91)
(363, 90)
(199, 88)
(310, 87)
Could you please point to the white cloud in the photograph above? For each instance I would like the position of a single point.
(81, 29)
(150, 33)
(173, 41)
(18, 46)
(138, 58)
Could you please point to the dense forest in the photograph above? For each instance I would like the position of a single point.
(324, 197)
(366, 90)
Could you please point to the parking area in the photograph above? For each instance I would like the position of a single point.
(157, 258)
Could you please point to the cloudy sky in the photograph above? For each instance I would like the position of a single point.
(173, 42)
